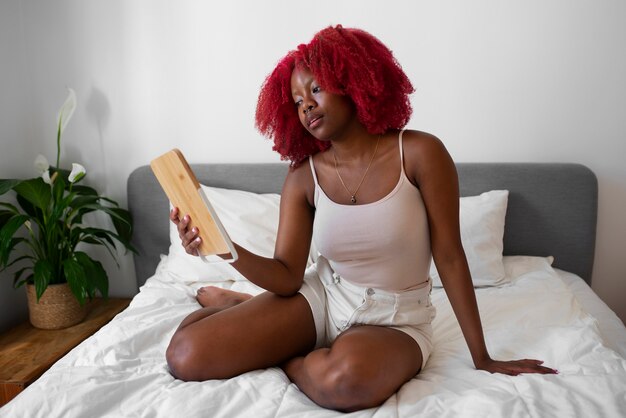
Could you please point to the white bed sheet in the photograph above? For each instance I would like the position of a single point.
(611, 327)
(121, 370)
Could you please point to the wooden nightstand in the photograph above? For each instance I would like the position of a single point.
(26, 352)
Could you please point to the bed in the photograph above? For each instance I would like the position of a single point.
(538, 305)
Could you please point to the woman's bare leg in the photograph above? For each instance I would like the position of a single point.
(364, 366)
(216, 296)
(362, 369)
(261, 332)
(213, 299)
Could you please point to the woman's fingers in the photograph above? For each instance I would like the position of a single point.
(174, 216)
(535, 366)
(188, 234)
(192, 247)
(181, 224)
(515, 367)
(189, 238)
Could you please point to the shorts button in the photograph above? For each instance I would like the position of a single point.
(370, 291)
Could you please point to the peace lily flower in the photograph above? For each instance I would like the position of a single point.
(41, 164)
(67, 110)
(78, 172)
(51, 209)
(46, 177)
(65, 114)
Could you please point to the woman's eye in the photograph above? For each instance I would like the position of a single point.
(316, 89)
(298, 103)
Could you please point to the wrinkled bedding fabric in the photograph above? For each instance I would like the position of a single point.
(121, 370)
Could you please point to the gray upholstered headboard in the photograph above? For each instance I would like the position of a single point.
(552, 208)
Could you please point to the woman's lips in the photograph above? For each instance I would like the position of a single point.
(315, 121)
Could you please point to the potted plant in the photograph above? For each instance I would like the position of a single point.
(43, 238)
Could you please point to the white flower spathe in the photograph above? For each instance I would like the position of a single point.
(78, 172)
(67, 110)
(41, 164)
(46, 177)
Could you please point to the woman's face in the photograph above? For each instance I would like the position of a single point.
(325, 115)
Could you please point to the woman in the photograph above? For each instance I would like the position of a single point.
(376, 201)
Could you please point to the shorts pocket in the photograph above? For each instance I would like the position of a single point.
(415, 311)
(345, 318)
(345, 306)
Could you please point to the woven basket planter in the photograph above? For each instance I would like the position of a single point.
(57, 308)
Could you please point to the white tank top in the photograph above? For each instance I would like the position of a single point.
(383, 244)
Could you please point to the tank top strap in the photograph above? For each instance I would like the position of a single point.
(313, 171)
(316, 193)
(401, 151)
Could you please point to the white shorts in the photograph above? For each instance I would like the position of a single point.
(337, 305)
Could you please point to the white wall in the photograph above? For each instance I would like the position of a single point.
(15, 145)
(496, 81)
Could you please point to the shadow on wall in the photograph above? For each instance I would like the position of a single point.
(98, 110)
(13, 303)
(609, 266)
(89, 151)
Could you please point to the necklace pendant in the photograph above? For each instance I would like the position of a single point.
(353, 199)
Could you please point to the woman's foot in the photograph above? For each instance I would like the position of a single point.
(217, 297)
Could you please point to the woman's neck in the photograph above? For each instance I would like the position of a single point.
(356, 147)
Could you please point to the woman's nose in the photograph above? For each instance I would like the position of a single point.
(308, 108)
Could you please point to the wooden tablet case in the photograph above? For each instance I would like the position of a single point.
(185, 193)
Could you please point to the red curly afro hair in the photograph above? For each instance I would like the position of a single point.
(344, 61)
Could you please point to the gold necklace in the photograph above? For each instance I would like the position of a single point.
(353, 194)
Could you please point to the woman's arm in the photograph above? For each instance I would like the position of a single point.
(282, 274)
(431, 167)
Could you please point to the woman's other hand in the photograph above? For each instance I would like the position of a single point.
(515, 367)
(189, 238)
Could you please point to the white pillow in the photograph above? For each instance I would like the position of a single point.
(482, 232)
(251, 220)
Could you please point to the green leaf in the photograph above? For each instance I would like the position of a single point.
(84, 190)
(7, 243)
(84, 201)
(91, 240)
(78, 217)
(58, 187)
(97, 232)
(8, 184)
(123, 223)
(111, 201)
(42, 275)
(18, 274)
(18, 259)
(97, 241)
(75, 275)
(60, 206)
(106, 235)
(35, 191)
(28, 279)
(5, 215)
(27, 206)
(11, 208)
(14, 242)
(94, 273)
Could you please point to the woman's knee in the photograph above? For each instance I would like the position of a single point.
(189, 360)
(351, 384)
(179, 356)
